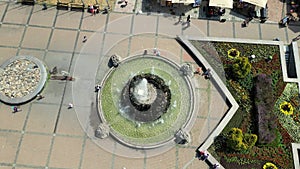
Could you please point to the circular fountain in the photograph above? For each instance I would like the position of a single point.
(146, 101)
(146, 97)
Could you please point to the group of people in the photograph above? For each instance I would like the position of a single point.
(206, 74)
(203, 155)
(93, 9)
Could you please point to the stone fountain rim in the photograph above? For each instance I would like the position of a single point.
(170, 141)
(40, 85)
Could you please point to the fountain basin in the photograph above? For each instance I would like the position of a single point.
(153, 133)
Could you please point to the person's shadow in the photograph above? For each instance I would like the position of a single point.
(186, 25)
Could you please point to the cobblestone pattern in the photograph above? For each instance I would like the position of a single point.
(19, 78)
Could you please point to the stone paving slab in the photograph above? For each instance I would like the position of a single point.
(10, 121)
(34, 149)
(123, 22)
(139, 25)
(68, 123)
(63, 40)
(53, 92)
(17, 13)
(66, 152)
(3, 6)
(93, 23)
(11, 35)
(269, 35)
(94, 157)
(43, 17)
(60, 60)
(32, 38)
(8, 144)
(217, 29)
(68, 19)
(242, 32)
(89, 49)
(47, 116)
(167, 26)
(39, 54)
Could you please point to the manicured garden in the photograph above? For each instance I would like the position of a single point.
(261, 132)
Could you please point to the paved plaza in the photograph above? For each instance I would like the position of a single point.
(46, 134)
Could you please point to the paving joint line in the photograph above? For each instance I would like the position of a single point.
(207, 28)
(113, 156)
(53, 135)
(208, 107)
(10, 131)
(85, 136)
(130, 35)
(24, 32)
(286, 34)
(65, 85)
(4, 13)
(50, 36)
(101, 54)
(176, 157)
(259, 31)
(145, 160)
(22, 134)
(233, 30)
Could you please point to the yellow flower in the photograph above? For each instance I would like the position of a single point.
(233, 53)
(269, 165)
(286, 108)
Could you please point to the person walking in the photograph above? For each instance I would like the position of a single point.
(84, 39)
(198, 71)
(296, 38)
(215, 166)
(44, 6)
(97, 88)
(70, 106)
(39, 97)
(207, 73)
(188, 19)
(180, 18)
(15, 109)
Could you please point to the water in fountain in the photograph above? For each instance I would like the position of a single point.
(124, 110)
(141, 91)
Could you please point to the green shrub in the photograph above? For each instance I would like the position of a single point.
(247, 82)
(250, 139)
(238, 141)
(241, 67)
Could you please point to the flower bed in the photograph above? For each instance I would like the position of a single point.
(278, 151)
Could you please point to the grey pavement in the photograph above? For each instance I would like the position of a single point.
(57, 137)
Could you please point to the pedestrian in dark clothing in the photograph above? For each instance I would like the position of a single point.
(16, 109)
(39, 97)
(180, 19)
(204, 157)
(97, 88)
(44, 6)
(206, 74)
(188, 19)
(215, 166)
(84, 39)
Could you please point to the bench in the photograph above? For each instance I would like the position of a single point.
(28, 2)
(62, 5)
(77, 7)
